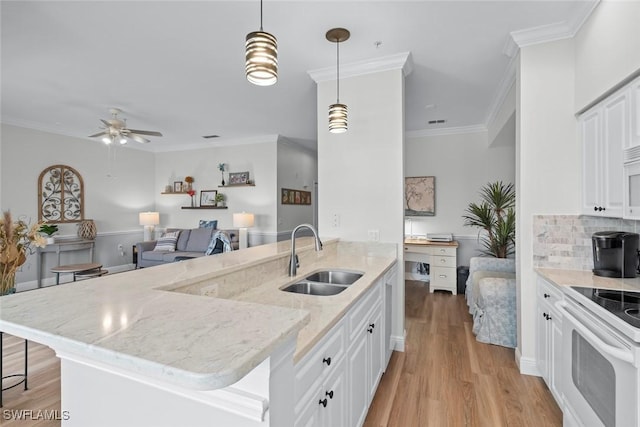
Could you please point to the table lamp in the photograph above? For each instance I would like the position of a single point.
(149, 220)
(243, 221)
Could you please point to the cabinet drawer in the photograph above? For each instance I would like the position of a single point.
(418, 249)
(358, 316)
(443, 261)
(548, 292)
(321, 360)
(443, 251)
(443, 276)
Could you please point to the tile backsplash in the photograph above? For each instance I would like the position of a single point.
(564, 241)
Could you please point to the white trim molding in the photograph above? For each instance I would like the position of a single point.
(446, 131)
(527, 365)
(400, 61)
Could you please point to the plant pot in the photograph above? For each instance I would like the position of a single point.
(51, 240)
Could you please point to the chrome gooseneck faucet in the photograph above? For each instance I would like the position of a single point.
(293, 261)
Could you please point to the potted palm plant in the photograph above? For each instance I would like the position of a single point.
(495, 214)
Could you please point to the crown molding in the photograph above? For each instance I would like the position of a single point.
(508, 80)
(446, 131)
(400, 61)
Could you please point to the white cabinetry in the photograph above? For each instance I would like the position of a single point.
(634, 101)
(441, 258)
(605, 133)
(336, 381)
(549, 337)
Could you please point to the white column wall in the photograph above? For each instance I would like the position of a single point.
(360, 172)
(548, 165)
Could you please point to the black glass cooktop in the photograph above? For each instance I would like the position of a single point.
(624, 304)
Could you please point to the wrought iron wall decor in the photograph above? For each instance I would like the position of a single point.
(60, 195)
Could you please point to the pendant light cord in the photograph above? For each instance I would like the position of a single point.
(337, 71)
(260, 15)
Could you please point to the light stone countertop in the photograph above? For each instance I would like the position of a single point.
(586, 278)
(150, 322)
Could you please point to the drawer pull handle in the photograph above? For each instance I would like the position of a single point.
(443, 276)
(370, 329)
(442, 260)
(323, 402)
(329, 393)
(327, 361)
(547, 295)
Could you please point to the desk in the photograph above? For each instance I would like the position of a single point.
(441, 257)
(62, 246)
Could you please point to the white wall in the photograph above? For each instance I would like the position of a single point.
(260, 160)
(548, 159)
(297, 170)
(607, 50)
(360, 172)
(504, 114)
(113, 202)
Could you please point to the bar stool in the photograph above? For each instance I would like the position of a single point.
(24, 376)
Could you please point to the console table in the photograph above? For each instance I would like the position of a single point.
(441, 257)
(62, 246)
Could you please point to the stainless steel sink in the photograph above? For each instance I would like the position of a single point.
(324, 282)
(335, 277)
(311, 288)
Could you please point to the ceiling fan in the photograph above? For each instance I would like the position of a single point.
(115, 129)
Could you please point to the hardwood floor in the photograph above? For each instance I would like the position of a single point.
(446, 378)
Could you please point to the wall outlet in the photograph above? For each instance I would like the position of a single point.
(336, 220)
(120, 249)
(374, 235)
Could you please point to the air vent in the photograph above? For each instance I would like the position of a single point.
(434, 122)
(210, 136)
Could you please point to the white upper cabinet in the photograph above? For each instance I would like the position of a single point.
(604, 131)
(634, 101)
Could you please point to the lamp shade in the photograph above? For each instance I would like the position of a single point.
(243, 220)
(337, 118)
(149, 218)
(261, 58)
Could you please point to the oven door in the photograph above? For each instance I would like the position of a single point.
(600, 371)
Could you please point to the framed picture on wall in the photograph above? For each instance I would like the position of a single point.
(295, 197)
(420, 196)
(238, 178)
(177, 186)
(208, 197)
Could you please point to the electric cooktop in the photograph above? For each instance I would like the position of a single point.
(623, 304)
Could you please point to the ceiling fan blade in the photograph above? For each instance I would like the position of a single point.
(106, 123)
(138, 138)
(145, 132)
(98, 134)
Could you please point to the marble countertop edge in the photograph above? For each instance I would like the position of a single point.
(586, 278)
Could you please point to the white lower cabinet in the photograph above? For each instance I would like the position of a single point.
(549, 338)
(336, 381)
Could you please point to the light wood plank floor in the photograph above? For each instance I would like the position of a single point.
(446, 378)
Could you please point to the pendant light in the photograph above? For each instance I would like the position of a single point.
(338, 111)
(261, 57)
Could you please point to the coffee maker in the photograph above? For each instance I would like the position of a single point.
(615, 254)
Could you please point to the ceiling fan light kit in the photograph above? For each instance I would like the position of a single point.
(261, 57)
(338, 111)
(116, 129)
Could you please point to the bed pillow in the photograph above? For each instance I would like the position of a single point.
(167, 242)
(208, 224)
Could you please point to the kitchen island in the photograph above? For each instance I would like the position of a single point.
(190, 342)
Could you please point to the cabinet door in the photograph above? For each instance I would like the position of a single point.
(335, 391)
(634, 101)
(310, 416)
(555, 356)
(615, 137)
(590, 133)
(542, 350)
(375, 351)
(358, 375)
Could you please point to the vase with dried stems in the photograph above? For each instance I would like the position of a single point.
(17, 239)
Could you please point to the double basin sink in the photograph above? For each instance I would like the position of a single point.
(324, 282)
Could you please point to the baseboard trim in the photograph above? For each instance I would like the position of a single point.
(397, 342)
(527, 365)
(66, 278)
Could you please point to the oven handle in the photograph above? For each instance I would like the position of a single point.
(595, 340)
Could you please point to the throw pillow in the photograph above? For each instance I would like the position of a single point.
(167, 242)
(208, 224)
(215, 247)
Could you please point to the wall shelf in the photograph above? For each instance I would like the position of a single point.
(204, 207)
(174, 192)
(236, 185)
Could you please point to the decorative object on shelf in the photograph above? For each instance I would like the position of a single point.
(168, 189)
(208, 197)
(16, 239)
(221, 169)
(238, 178)
(49, 230)
(496, 215)
(243, 221)
(261, 57)
(87, 229)
(220, 199)
(189, 180)
(177, 187)
(419, 196)
(191, 193)
(149, 220)
(295, 197)
(338, 111)
(60, 195)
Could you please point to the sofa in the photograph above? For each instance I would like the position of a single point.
(191, 243)
(491, 297)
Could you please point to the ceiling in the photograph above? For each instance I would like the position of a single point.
(178, 66)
